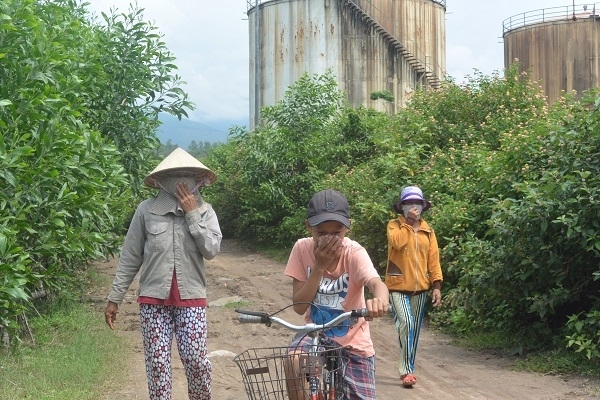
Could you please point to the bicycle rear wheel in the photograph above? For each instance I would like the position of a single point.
(267, 372)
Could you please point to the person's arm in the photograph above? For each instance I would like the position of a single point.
(304, 292)
(435, 270)
(205, 230)
(202, 222)
(110, 314)
(130, 261)
(436, 294)
(399, 233)
(378, 305)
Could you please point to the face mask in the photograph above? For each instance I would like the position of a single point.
(169, 184)
(407, 207)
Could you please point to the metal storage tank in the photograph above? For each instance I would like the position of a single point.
(370, 45)
(559, 46)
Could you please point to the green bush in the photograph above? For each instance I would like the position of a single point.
(266, 177)
(78, 113)
(512, 180)
(585, 336)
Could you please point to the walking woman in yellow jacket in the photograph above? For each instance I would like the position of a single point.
(413, 268)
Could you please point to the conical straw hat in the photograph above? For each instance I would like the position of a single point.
(182, 163)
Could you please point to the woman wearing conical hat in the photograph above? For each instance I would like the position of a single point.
(168, 239)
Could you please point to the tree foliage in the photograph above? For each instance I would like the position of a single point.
(267, 176)
(513, 184)
(78, 113)
(134, 81)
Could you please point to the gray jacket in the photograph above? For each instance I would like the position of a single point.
(155, 244)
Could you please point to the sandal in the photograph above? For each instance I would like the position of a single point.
(408, 380)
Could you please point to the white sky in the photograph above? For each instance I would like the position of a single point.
(210, 40)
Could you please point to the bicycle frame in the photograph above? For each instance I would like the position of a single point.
(311, 363)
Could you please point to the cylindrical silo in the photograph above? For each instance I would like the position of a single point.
(370, 45)
(559, 46)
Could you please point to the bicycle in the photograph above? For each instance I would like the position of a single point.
(268, 372)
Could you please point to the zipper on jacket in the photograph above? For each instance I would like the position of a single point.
(416, 261)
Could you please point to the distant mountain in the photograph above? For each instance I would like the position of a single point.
(183, 132)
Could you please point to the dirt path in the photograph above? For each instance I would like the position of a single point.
(443, 371)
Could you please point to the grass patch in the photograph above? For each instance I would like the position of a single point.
(276, 253)
(488, 341)
(559, 362)
(75, 356)
(237, 304)
(97, 279)
(553, 361)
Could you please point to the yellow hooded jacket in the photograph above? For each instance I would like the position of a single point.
(413, 257)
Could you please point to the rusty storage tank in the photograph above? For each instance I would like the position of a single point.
(370, 45)
(559, 46)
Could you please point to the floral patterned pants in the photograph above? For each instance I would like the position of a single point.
(189, 324)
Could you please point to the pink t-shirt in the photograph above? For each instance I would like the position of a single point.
(340, 291)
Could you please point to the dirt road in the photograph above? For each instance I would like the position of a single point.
(443, 371)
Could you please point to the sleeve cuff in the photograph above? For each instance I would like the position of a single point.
(115, 297)
(196, 214)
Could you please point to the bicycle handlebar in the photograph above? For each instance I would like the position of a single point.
(259, 317)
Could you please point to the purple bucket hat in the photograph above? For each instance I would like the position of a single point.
(411, 193)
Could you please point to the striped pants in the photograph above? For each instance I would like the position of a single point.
(409, 311)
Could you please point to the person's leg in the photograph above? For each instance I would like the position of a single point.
(191, 332)
(417, 308)
(360, 378)
(295, 376)
(157, 335)
(408, 317)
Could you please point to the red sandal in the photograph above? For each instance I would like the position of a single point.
(408, 380)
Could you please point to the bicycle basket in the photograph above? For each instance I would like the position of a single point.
(268, 373)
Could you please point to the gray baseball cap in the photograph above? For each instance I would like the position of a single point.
(328, 205)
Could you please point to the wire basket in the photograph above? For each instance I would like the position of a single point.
(268, 372)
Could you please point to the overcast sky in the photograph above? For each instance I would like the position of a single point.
(210, 40)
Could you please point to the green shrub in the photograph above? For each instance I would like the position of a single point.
(512, 180)
(585, 336)
(78, 113)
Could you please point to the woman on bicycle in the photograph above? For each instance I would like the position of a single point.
(329, 273)
(413, 268)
